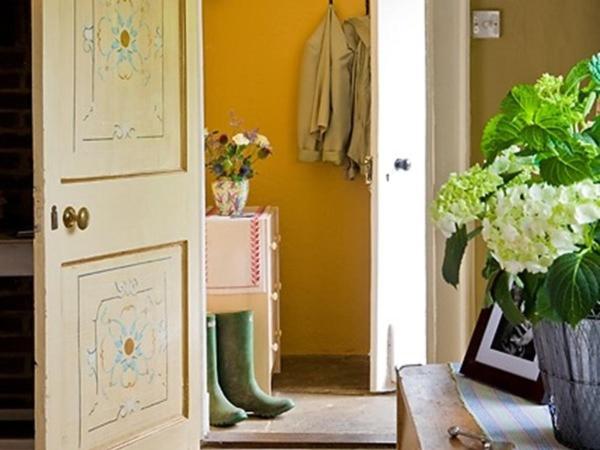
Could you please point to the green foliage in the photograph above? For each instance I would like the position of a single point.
(455, 251)
(565, 170)
(577, 75)
(502, 293)
(573, 285)
(548, 118)
(537, 198)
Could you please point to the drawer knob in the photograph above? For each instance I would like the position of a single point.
(275, 346)
(274, 246)
(275, 296)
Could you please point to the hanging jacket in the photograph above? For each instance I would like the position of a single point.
(324, 106)
(358, 36)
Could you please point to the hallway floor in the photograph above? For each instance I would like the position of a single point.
(332, 405)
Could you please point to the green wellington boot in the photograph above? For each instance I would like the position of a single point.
(235, 334)
(222, 412)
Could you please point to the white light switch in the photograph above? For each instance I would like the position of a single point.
(486, 24)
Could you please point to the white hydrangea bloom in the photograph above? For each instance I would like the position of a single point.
(507, 162)
(240, 140)
(528, 227)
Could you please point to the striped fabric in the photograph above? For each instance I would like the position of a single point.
(505, 417)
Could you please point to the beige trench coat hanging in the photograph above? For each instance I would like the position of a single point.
(359, 39)
(324, 106)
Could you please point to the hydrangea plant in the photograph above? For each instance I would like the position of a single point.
(535, 201)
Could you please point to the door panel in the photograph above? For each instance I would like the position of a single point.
(127, 86)
(126, 313)
(399, 303)
(119, 308)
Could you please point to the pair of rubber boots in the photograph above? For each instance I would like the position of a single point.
(234, 392)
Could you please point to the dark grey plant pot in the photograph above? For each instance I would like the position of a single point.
(570, 364)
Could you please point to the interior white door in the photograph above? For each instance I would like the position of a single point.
(398, 281)
(117, 95)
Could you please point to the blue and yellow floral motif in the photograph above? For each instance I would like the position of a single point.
(130, 344)
(126, 42)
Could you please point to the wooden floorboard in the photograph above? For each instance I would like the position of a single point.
(298, 440)
(16, 444)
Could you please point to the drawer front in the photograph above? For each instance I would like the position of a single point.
(238, 252)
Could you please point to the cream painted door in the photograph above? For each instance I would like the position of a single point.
(398, 281)
(117, 95)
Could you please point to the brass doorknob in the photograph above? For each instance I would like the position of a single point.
(83, 218)
(72, 218)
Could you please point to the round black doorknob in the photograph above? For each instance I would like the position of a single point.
(402, 164)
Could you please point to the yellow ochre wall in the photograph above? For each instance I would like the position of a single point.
(538, 36)
(252, 56)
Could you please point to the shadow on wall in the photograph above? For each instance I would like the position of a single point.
(252, 55)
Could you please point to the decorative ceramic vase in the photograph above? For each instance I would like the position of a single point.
(230, 196)
(570, 363)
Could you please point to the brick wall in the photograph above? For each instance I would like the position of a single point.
(16, 171)
(16, 205)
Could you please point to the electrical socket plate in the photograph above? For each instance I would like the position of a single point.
(486, 24)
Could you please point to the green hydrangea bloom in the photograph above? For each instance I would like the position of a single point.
(548, 87)
(461, 199)
(529, 227)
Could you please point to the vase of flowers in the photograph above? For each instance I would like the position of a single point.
(535, 201)
(231, 161)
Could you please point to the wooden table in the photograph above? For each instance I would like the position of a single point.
(429, 404)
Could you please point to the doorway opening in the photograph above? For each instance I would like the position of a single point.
(320, 311)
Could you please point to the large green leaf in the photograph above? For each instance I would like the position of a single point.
(594, 130)
(522, 100)
(573, 284)
(455, 250)
(500, 132)
(501, 293)
(576, 75)
(565, 170)
(556, 121)
(543, 307)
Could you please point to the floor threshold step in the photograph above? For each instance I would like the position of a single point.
(299, 440)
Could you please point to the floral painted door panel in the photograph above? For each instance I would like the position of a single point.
(127, 86)
(117, 103)
(128, 322)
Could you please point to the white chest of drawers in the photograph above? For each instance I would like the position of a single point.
(242, 273)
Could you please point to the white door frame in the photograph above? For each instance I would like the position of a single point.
(451, 312)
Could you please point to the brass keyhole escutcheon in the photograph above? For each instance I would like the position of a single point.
(72, 218)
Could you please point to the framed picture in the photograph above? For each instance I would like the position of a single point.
(502, 355)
